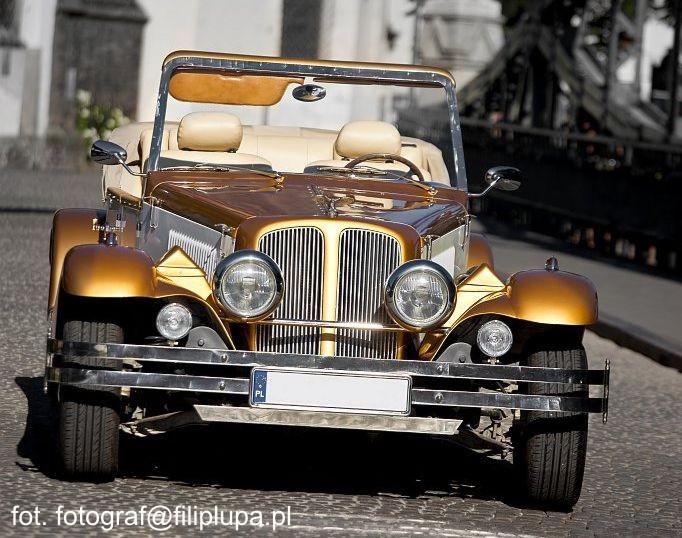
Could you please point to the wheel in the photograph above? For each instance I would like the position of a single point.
(89, 419)
(550, 448)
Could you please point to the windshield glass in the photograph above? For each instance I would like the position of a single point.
(310, 124)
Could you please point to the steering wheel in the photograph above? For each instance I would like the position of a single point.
(387, 157)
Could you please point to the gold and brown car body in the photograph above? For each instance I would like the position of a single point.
(244, 206)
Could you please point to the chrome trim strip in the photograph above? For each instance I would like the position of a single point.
(337, 325)
(144, 380)
(237, 386)
(528, 402)
(71, 351)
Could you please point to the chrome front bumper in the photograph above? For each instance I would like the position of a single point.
(137, 364)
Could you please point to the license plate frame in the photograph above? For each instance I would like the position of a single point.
(332, 385)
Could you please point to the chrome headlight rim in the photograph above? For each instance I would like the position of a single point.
(501, 325)
(164, 332)
(257, 258)
(404, 270)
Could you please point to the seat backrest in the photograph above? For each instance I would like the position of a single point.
(359, 138)
(211, 137)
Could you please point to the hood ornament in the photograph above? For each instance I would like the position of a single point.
(328, 204)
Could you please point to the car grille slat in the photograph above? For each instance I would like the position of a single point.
(299, 254)
(202, 253)
(366, 259)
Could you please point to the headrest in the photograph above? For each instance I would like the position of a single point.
(210, 131)
(358, 138)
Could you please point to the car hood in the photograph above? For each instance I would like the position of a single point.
(232, 197)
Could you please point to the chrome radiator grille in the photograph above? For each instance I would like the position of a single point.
(366, 259)
(299, 253)
(203, 254)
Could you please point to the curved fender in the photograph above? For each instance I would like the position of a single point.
(71, 227)
(108, 271)
(116, 272)
(538, 296)
(553, 297)
(479, 251)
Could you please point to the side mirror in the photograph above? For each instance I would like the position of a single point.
(104, 152)
(505, 178)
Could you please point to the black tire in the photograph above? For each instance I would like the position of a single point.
(551, 447)
(89, 419)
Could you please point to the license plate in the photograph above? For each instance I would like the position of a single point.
(350, 392)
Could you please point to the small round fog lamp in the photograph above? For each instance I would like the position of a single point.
(174, 321)
(494, 338)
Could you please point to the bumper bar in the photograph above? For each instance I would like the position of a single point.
(147, 356)
(201, 414)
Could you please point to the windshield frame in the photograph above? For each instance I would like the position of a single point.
(342, 71)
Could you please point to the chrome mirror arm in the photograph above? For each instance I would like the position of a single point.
(127, 168)
(505, 178)
(485, 191)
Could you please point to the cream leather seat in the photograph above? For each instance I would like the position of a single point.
(289, 149)
(211, 137)
(359, 138)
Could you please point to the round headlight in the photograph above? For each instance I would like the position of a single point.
(420, 294)
(494, 338)
(174, 321)
(248, 284)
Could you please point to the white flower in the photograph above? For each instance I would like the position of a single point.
(83, 97)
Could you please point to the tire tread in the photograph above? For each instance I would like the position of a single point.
(89, 420)
(552, 446)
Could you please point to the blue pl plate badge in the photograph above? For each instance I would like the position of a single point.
(259, 387)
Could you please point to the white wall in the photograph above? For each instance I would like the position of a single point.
(17, 101)
(37, 32)
(11, 89)
(350, 30)
(235, 26)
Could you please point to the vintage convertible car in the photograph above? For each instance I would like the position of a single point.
(294, 276)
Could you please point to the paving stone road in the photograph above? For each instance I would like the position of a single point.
(334, 483)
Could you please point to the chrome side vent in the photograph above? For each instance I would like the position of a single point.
(366, 259)
(299, 253)
(203, 254)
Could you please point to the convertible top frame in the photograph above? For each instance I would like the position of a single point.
(404, 75)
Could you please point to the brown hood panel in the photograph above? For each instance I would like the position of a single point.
(232, 197)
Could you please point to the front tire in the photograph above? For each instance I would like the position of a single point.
(551, 447)
(89, 419)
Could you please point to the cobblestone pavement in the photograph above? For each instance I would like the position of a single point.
(334, 483)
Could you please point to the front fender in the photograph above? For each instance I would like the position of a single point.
(117, 272)
(553, 297)
(537, 296)
(72, 227)
(108, 271)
